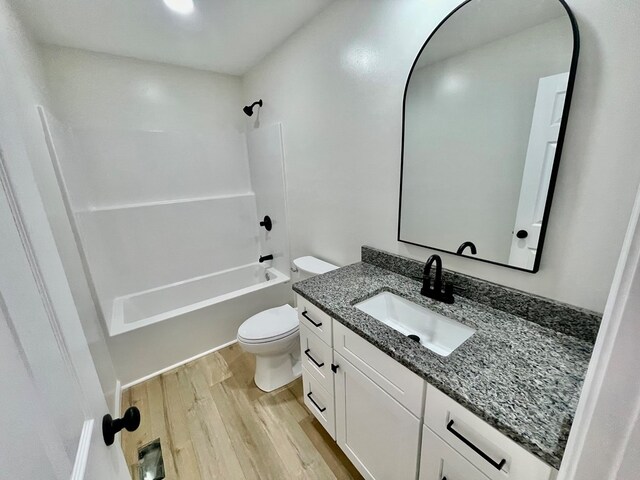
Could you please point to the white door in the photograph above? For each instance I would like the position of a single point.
(541, 152)
(51, 403)
(379, 435)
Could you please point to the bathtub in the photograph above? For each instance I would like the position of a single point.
(140, 309)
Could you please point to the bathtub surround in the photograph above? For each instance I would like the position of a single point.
(522, 378)
(112, 121)
(347, 138)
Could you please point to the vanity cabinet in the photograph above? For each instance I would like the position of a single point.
(390, 422)
(369, 403)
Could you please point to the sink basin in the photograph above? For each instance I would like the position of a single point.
(436, 332)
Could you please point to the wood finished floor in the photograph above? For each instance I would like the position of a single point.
(214, 423)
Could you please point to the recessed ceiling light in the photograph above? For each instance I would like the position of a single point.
(183, 7)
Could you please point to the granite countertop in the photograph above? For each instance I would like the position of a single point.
(522, 378)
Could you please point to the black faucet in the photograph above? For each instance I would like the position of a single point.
(471, 246)
(436, 292)
(265, 258)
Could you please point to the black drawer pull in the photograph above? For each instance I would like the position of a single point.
(306, 352)
(476, 449)
(314, 402)
(318, 324)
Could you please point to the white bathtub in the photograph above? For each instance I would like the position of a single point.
(140, 309)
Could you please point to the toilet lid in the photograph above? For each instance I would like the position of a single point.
(268, 325)
(313, 265)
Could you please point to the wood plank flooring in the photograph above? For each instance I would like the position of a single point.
(214, 423)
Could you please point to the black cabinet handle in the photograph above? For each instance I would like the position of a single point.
(314, 402)
(476, 449)
(315, 324)
(334, 368)
(306, 352)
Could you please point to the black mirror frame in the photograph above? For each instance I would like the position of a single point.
(556, 160)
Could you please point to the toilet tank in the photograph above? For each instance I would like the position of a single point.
(310, 266)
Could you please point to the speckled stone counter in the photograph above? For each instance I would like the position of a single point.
(519, 376)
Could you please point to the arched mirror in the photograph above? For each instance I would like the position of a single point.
(485, 110)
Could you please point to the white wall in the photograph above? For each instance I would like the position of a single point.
(605, 439)
(337, 88)
(103, 91)
(20, 55)
(468, 119)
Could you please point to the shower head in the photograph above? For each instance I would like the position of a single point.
(248, 110)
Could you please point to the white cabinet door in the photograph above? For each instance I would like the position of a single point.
(398, 381)
(439, 461)
(379, 435)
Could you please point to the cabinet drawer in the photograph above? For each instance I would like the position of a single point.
(319, 402)
(495, 455)
(399, 382)
(318, 322)
(316, 358)
(438, 461)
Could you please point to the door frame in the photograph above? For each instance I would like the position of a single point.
(607, 419)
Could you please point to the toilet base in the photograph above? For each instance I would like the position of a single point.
(275, 371)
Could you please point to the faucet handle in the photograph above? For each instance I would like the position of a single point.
(447, 296)
(426, 287)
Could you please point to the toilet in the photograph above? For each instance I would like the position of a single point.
(273, 335)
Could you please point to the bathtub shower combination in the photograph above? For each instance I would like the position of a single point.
(169, 222)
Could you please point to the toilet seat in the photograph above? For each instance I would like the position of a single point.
(270, 325)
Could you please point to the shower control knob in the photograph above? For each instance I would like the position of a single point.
(522, 234)
(129, 421)
(266, 223)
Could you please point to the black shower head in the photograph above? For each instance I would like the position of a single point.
(249, 108)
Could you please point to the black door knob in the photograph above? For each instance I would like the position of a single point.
(130, 421)
(522, 234)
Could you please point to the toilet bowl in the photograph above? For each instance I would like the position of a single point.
(273, 336)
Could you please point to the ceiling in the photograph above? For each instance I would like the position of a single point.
(227, 36)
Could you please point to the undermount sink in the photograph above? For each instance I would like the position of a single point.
(436, 332)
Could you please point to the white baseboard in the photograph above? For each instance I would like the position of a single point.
(176, 365)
